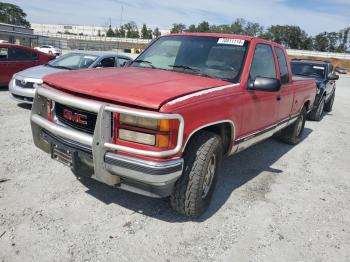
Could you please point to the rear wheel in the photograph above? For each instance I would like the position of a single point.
(50, 52)
(316, 114)
(293, 133)
(329, 105)
(193, 191)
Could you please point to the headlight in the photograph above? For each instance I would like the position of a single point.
(143, 122)
(137, 137)
(147, 131)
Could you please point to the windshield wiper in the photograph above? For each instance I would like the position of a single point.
(185, 67)
(59, 67)
(144, 61)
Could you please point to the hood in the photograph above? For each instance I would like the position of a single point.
(144, 87)
(38, 72)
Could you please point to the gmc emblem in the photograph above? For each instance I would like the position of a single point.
(74, 117)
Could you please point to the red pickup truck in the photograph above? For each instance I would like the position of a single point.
(162, 126)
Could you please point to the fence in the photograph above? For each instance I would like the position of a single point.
(318, 54)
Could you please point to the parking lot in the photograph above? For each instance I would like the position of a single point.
(273, 202)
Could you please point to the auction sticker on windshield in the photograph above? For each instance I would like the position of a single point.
(318, 67)
(231, 41)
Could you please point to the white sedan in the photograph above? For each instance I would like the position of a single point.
(49, 49)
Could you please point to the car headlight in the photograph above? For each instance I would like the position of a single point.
(148, 131)
(143, 122)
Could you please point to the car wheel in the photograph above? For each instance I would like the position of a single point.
(293, 133)
(316, 114)
(329, 105)
(193, 191)
(50, 52)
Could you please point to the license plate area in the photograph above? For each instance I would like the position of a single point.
(63, 155)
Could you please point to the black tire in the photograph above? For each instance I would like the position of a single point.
(193, 191)
(329, 105)
(316, 113)
(293, 133)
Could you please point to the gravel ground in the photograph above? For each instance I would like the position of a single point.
(273, 202)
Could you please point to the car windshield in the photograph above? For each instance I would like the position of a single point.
(214, 57)
(73, 61)
(309, 70)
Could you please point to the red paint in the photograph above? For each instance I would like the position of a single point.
(8, 66)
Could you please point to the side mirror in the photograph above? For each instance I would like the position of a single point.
(265, 84)
(332, 76)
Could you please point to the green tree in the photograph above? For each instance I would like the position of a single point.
(110, 32)
(333, 39)
(192, 28)
(13, 14)
(178, 28)
(237, 27)
(120, 32)
(203, 27)
(144, 32)
(253, 29)
(321, 42)
(156, 32)
(344, 39)
(131, 30)
(290, 36)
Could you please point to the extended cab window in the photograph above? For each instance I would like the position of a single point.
(3, 54)
(17, 54)
(263, 64)
(282, 62)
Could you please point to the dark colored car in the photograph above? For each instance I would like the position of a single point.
(15, 58)
(325, 77)
(340, 70)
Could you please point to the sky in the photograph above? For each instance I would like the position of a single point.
(314, 16)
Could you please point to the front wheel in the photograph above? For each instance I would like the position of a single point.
(316, 114)
(193, 191)
(293, 133)
(329, 105)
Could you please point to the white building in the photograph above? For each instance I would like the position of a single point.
(45, 29)
(67, 28)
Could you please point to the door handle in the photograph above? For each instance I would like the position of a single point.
(278, 98)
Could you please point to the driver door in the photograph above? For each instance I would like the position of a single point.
(259, 110)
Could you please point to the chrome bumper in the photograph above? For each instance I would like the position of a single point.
(134, 174)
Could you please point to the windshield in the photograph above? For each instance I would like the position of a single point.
(310, 70)
(73, 61)
(213, 57)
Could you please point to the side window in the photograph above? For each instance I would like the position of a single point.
(4, 54)
(282, 62)
(107, 62)
(122, 61)
(17, 54)
(263, 64)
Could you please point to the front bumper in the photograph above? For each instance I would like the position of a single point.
(20, 94)
(95, 156)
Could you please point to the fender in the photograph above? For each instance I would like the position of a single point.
(232, 125)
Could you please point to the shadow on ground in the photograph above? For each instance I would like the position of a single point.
(235, 172)
(4, 88)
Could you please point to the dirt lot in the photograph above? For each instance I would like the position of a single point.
(274, 202)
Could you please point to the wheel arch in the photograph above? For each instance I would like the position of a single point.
(224, 128)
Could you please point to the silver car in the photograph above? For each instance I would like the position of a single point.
(22, 85)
